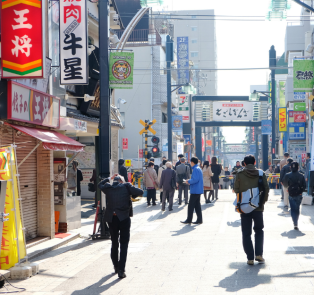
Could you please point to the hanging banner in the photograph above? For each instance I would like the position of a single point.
(282, 119)
(177, 123)
(22, 39)
(282, 95)
(266, 127)
(239, 111)
(183, 60)
(184, 108)
(121, 70)
(73, 42)
(12, 229)
(303, 79)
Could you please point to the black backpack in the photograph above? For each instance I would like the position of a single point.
(182, 176)
(295, 188)
(261, 189)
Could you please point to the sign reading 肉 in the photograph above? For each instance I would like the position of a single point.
(73, 42)
(22, 39)
(240, 111)
(183, 60)
(121, 70)
(303, 79)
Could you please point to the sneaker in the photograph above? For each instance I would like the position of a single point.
(296, 228)
(259, 259)
(250, 262)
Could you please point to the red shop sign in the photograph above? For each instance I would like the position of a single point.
(141, 154)
(27, 105)
(299, 117)
(125, 143)
(22, 38)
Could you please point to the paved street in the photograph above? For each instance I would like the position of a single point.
(166, 257)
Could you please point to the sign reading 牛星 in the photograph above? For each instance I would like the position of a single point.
(22, 39)
(73, 42)
(303, 79)
(234, 111)
(283, 119)
(121, 70)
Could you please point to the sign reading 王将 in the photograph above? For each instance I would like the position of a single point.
(22, 39)
(73, 42)
(27, 105)
(234, 111)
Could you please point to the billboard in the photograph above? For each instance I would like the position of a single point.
(22, 39)
(183, 60)
(296, 125)
(177, 123)
(266, 127)
(303, 79)
(282, 119)
(73, 42)
(234, 111)
(184, 108)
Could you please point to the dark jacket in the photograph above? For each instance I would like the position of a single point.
(248, 178)
(79, 176)
(165, 180)
(118, 198)
(307, 168)
(177, 164)
(216, 169)
(294, 178)
(156, 167)
(123, 172)
(285, 169)
(236, 169)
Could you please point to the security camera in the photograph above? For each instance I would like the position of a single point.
(114, 39)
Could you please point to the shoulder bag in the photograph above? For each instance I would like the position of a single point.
(155, 184)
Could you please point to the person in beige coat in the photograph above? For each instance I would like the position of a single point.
(150, 181)
(161, 169)
(208, 185)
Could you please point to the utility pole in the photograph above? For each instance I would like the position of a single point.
(272, 64)
(169, 59)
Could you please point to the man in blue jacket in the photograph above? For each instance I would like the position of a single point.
(196, 189)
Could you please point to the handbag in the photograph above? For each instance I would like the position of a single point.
(155, 184)
(91, 187)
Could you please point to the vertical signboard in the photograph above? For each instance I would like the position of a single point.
(183, 60)
(296, 125)
(184, 108)
(125, 144)
(121, 70)
(282, 119)
(303, 79)
(22, 39)
(282, 93)
(177, 123)
(266, 127)
(73, 42)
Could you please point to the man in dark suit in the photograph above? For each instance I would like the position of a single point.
(117, 215)
(122, 170)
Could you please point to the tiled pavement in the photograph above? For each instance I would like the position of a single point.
(166, 257)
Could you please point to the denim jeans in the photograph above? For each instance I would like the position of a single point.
(246, 225)
(295, 203)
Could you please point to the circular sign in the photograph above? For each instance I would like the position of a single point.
(121, 69)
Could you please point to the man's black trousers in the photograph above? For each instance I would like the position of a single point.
(246, 225)
(195, 203)
(122, 228)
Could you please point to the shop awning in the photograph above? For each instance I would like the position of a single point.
(51, 140)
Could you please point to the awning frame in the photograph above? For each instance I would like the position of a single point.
(33, 150)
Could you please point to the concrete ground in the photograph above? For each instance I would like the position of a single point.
(167, 257)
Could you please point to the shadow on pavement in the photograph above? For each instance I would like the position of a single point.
(184, 230)
(301, 250)
(293, 234)
(239, 280)
(86, 209)
(97, 288)
(236, 223)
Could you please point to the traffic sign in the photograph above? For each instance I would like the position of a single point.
(127, 163)
(148, 126)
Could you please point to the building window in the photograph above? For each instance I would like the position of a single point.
(194, 53)
(164, 118)
(194, 29)
(195, 66)
(193, 16)
(194, 41)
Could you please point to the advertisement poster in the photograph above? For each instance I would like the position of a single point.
(296, 150)
(282, 95)
(239, 111)
(303, 79)
(10, 237)
(296, 129)
(73, 42)
(282, 119)
(183, 60)
(121, 70)
(266, 127)
(177, 123)
(22, 40)
(297, 117)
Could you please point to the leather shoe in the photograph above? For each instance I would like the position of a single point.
(116, 270)
(185, 222)
(196, 222)
(121, 274)
(170, 209)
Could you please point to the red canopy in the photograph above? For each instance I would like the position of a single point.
(52, 140)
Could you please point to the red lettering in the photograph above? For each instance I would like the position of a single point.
(6, 260)
(72, 11)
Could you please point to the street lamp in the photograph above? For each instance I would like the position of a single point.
(120, 100)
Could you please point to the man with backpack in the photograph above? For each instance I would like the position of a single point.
(183, 173)
(295, 183)
(285, 169)
(251, 180)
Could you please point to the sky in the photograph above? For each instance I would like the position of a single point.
(241, 44)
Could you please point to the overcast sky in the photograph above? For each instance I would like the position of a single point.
(241, 44)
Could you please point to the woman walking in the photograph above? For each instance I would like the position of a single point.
(208, 186)
(150, 180)
(216, 170)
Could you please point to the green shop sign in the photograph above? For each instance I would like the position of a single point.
(303, 80)
(282, 96)
(299, 106)
(121, 70)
